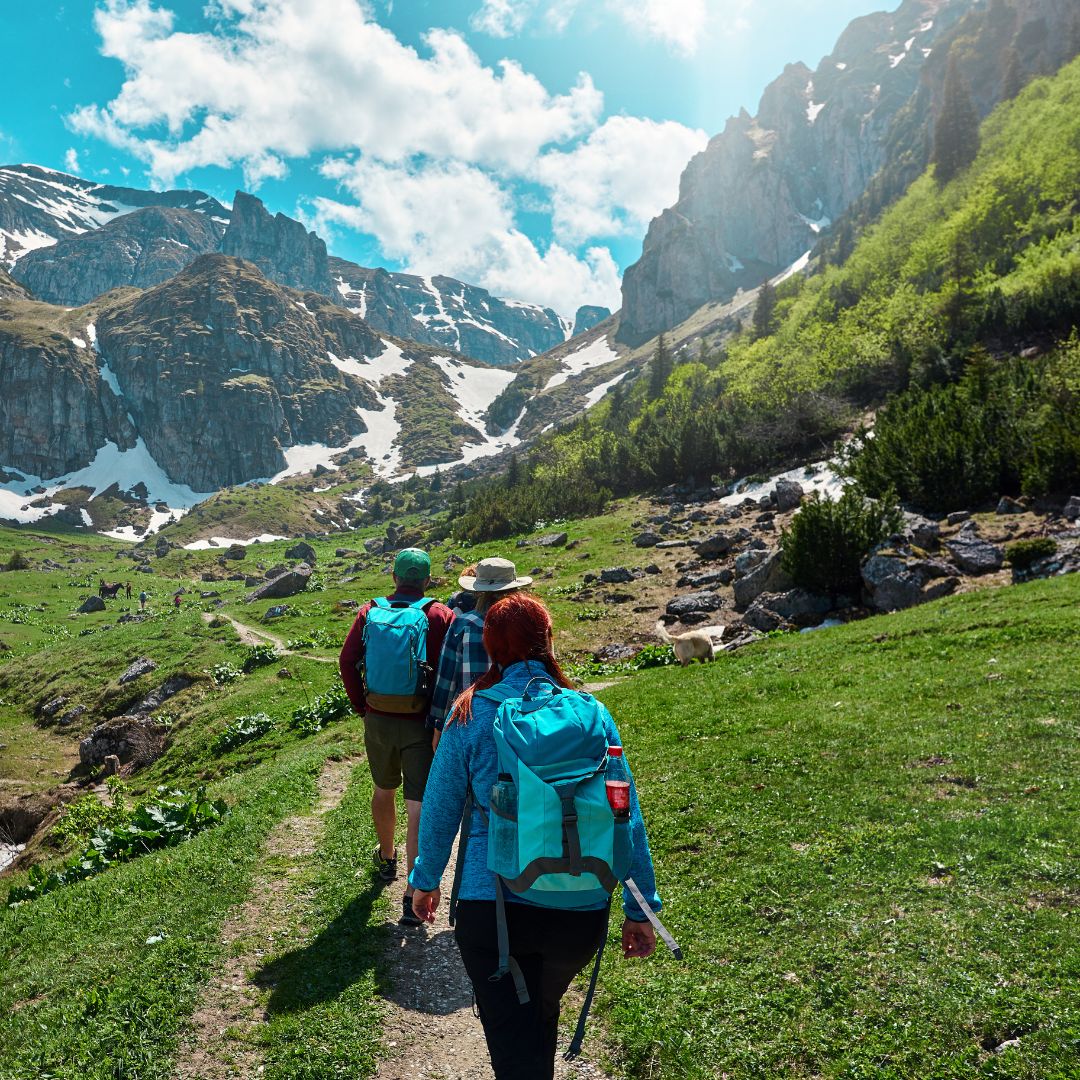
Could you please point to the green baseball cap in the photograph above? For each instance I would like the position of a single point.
(413, 565)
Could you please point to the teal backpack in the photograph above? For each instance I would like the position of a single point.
(394, 665)
(552, 837)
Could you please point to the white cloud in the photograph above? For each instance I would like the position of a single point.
(71, 161)
(677, 24)
(617, 180)
(502, 18)
(454, 219)
(286, 78)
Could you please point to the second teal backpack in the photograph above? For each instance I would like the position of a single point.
(394, 663)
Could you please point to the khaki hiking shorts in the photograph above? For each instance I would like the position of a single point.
(398, 747)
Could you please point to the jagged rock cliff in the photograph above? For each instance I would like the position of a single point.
(761, 192)
(40, 206)
(143, 249)
(278, 245)
(588, 316)
(447, 313)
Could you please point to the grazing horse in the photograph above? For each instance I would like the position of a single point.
(108, 590)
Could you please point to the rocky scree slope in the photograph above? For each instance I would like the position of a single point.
(762, 192)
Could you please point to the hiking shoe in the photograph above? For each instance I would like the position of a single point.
(386, 869)
(408, 916)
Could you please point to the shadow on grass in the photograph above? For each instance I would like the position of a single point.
(348, 951)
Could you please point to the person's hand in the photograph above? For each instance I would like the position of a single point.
(638, 939)
(424, 904)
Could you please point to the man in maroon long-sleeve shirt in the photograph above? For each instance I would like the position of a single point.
(399, 745)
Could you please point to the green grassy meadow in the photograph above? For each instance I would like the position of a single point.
(865, 837)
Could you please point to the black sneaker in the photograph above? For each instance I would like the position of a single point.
(408, 916)
(386, 869)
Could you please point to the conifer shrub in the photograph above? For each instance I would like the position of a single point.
(828, 540)
(1022, 553)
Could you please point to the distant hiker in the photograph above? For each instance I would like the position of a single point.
(519, 980)
(464, 659)
(176, 601)
(143, 597)
(387, 667)
(127, 589)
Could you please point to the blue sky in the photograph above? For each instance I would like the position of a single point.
(520, 144)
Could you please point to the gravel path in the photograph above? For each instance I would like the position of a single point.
(249, 635)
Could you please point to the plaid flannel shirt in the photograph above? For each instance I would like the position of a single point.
(462, 661)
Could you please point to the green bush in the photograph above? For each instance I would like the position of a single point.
(170, 820)
(1022, 553)
(326, 708)
(243, 729)
(257, 656)
(83, 816)
(17, 561)
(828, 540)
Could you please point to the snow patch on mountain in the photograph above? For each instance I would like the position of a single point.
(591, 356)
(473, 388)
(597, 392)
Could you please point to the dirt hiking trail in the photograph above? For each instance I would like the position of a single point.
(221, 1045)
(249, 635)
(430, 1031)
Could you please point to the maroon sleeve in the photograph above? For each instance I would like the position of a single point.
(439, 619)
(351, 652)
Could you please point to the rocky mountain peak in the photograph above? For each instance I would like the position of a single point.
(141, 249)
(278, 245)
(588, 316)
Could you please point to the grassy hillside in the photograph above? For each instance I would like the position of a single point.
(865, 837)
(988, 263)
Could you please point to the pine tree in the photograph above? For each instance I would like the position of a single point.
(513, 472)
(436, 480)
(765, 312)
(617, 413)
(660, 369)
(956, 134)
(1013, 79)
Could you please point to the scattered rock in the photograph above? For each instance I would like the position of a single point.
(616, 575)
(921, 531)
(236, 552)
(768, 576)
(788, 495)
(209, 595)
(615, 653)
(1009, 506)
(51, 708)
(715, 546)
(72, 715)
(652, 568)
(797, 606)
(975, 556)
(647, 539)
(957, 516)
(898, 578)
(143, 666)
(90, 604)
(373, 545)
(550, 540)
(700, 581)
(667, 545)
(302, 551)
(694, 602)
(451, 561)
(1066, 560)
(1072, 508)
(287, 584)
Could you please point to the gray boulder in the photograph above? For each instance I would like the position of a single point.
(715, 546)
(143, 666)
(921, 531)
(373, 545)
(91, 604)
(1009, 506)
(898, 578)
(798, 606)
(958, 516)
(692, 603)
(768, 576)
(302, 551)
(788, 495)
(288, 584)
(1072, 508)
(235, 552)
(550, 540)
(647, 539)
(1066, 560)
(974, 555)
(616, 575)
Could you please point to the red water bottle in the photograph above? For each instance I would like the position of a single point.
(618, 784)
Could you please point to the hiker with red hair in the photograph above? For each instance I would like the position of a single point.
(550, 946)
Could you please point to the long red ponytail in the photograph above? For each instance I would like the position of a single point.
(517, 627)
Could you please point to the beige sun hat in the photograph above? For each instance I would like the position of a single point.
(493, 575)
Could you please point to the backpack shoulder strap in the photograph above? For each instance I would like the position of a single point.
(423, 603)
(498, 693)
(380, 602)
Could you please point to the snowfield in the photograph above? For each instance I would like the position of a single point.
(595, 355)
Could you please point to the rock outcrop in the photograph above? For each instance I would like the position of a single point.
(588, 316)
(143, 248)
(763, 191)
(278, 245)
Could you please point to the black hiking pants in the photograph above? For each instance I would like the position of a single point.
(551, 947)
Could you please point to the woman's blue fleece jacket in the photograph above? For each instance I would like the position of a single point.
(467, 751)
